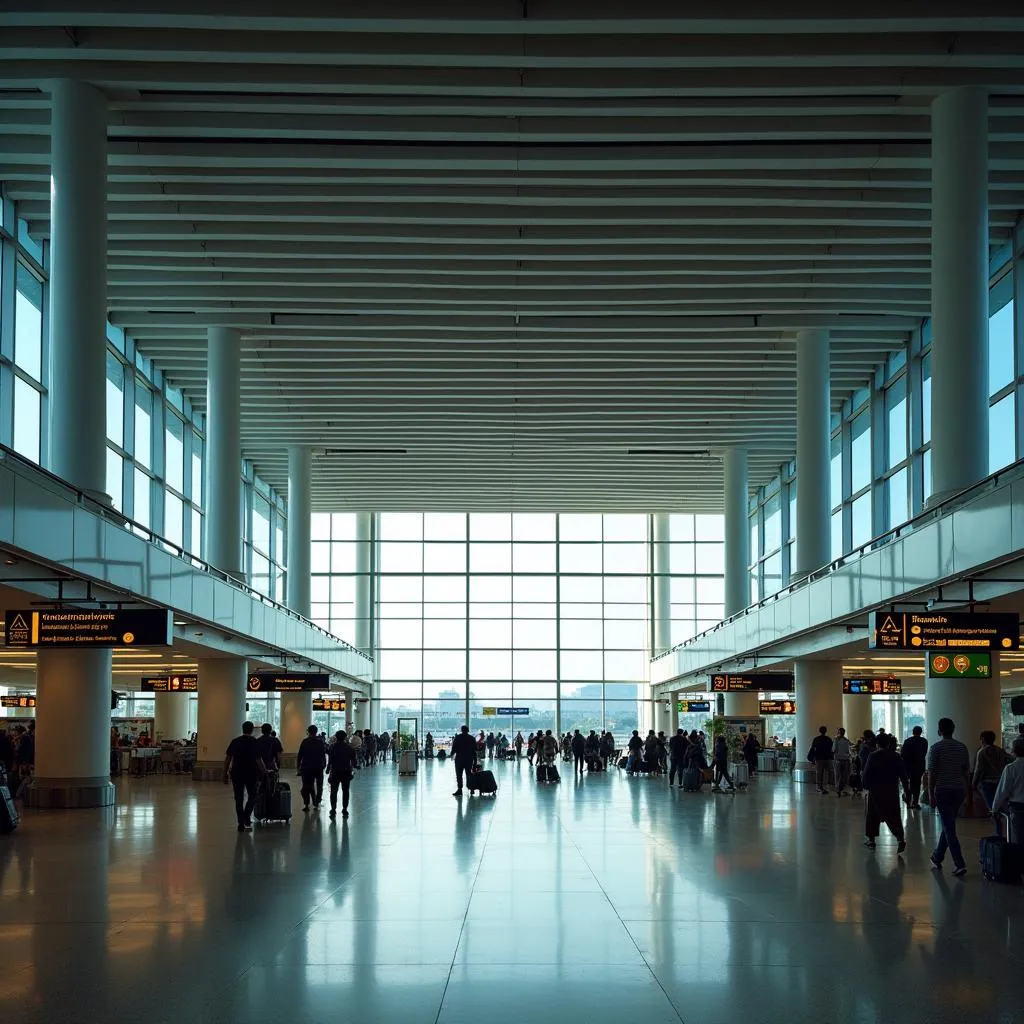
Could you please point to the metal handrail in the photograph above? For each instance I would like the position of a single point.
(1014, 470)
(108, 512)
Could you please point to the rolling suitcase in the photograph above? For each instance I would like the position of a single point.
(274, 802)
(8, 812)
(623, 762)
(553, 775)
(692, 780)
(483, 782)
(740, 774)
(1000, 860)
(542, 772)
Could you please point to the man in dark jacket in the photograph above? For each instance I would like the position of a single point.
(464, 755)
(820, 755)
(341, 764)
(915, 757)
(579, 746)
(883, 775)
(722, 764)
(311, 761)
(676, 756)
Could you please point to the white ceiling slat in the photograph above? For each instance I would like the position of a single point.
(515, 247)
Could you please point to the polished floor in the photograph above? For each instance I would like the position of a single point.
(609, 899)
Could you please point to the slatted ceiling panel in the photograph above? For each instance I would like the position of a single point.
(514, 247)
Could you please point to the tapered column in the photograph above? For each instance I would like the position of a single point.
(673, 712)
(661, 611)
(364, 712)
(222, 689)
(856, 714)
(959, 290)
(973, 704)
(297, 708)
(819, 701)
(170, 719)
(743, 703)
(223, 453)
(813, 494)
(73, 687)
(737, 531)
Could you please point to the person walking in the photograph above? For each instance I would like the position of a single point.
(490, 746)
(635, 746)
(464, 755)
(884, 774)
(820, 755)
(989, 763)
(518, 744)
(356, 743)
(270, 749)
(578, 747)
(1010, 793)
(949, 777)
(722, 765)
(677, 756)
(341, 766)
(549, 747)
(311, 761)
(751, 748)
(428, 745)
(915, 757)
(592, 751)
(242, 768)
(843, 752)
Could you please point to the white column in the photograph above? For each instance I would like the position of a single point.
(222, 690)
(745, 703)
(297, 708)
(72, 730)
(856, 714)
(349, 717)
(673, 713)
(170, 719)
(661, 613)
(819, 701)
(737, 531)
(813, 426)
(223, 453)
(73, 712)
(364, 639)
(959, 290)
(661, 715)
(973, 704)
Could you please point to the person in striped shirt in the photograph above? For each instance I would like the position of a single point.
(949, 774)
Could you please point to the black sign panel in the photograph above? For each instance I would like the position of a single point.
(23, 700)
(752, 681)
(777, 707)
(930, 631)
(328, 704)
(874, 687)
(288, 682)
(693, 707)
(171, 684)
(85, 627)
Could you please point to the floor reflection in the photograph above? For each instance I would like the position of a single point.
(602, 898)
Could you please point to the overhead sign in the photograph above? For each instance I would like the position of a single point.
(171, 684)
(85, 627)
(328, 704)
(874, 687)
(288, 682)
(777, 707)
(693, 707)
(976, 665)
(490, 712)
(23, 700)
(930, 631)
(753, 681)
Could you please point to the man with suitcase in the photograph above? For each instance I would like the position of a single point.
(464, 754)
(1009, 795)
(242, 768)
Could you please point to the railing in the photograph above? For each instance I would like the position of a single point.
(960, 498)
(86, 501)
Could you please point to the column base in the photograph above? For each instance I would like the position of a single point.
(208, 771)
(805, 772)
(70, 793)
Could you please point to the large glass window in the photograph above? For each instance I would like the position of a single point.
(1001, 371)
(174, 452)
(860, 452)
(115, 400)
(28, 323)
(27, 412)
(143, 450)
(1002, 434)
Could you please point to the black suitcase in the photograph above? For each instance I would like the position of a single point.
(692, 780)
(484, 782)
(8, 812)
(273, 802)
(1000, 860)
(623, 762)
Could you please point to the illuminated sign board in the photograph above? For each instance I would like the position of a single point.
(693, 707)
(84, 627)
(777, 707)
(752, 681)
(288, 682)
(504, 712)
(23, 700)
(976, 665)
(171, 684)
(874, 687)
(328, 704)
(929, 631)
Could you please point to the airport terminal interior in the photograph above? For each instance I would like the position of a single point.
(370, 372)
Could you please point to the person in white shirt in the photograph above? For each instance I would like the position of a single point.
(1010, 792)
(843, 751)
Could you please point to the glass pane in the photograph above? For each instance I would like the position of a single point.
(1000, 349)
(837, 534)
(579, 527)
(625, 527)
(260, 524)
(444, 526)
(709, 527)
(174, 452)
(896, 489)
(773, 523)
(837, 470)
(197, 470)
(143, 424)
(860, 452)
(140, 512)
(861, 520)
(926, 462)
(926, 399)
(115, 479)
(401, 525)
(444, 557)
(196, 540)
(490, 558)
(26, 419)
(1002, 445)
(28, 323)
(490, 526)
(629, 558)
(533, 526)
(772, 574)
(174, 525)
(115, 399)
(896, 423)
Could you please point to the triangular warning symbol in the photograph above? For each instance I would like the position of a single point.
(889, 626)
(19, 622)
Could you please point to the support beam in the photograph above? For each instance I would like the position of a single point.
(813, 496)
